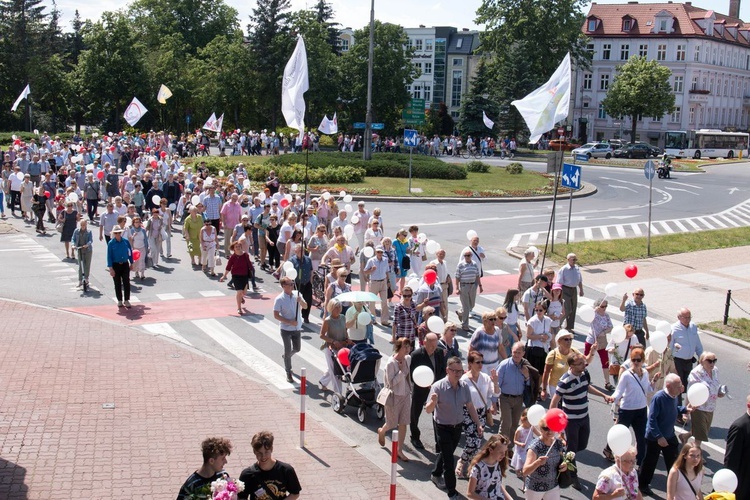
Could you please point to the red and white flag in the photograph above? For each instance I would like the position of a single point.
(329, 126)
(134, 112)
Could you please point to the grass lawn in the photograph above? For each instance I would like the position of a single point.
(597, 252)
(738, 328)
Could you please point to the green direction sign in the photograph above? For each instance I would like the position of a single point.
(413, 113)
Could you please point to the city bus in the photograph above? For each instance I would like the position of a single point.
(705, 143)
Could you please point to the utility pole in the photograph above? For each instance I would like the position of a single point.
(367, 143)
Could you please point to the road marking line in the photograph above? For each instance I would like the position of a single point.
(692, 223)
(636, 229)
(533, 237)
(703, 221)
(727, 219)
(653, 229)
(253, 358)
(514, 242)
(620, 230)
(66, 270)
(588, 234)
(212, 293)
(666, 227)
(169, 296)
(166, 330)
(605, 233)
(717, 221)
(133, 299)
(680, 226)
(56, 264)
(496, 272)
(312, 355)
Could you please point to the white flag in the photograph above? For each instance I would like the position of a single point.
(211, 123)
(219, 123)
(21, 97)
(134, 112)
(293, 86)
(164, 94)
(487, 122)
(329, 126)
(548, 104)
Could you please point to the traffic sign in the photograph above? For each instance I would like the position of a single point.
(410, 137)
(571, 176)
(378, 126)
(560, 131)
(413, 113)
(582, 157)
(649, 169)
(360, 125)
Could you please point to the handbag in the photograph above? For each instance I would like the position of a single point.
(59, 227)
(405, 263)
(565, 479)
(149, 262)
(218, 260)
(384, 396)
(488, 414)
(614, 370)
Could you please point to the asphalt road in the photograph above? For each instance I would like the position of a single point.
(187, 306)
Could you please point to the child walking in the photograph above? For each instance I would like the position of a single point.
(522, 440)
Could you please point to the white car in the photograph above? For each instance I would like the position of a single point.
(595, 150)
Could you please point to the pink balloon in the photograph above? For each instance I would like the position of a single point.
(136, 254)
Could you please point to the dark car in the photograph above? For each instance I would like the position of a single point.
(653, 150)
(633, 151)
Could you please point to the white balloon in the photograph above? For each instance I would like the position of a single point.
(348, 231)
(619, 439)
(471, 234)
(19, 176)
(664, 327)
(348, 208)
(725, 481)
(535, 414)
(611, 289)
(364, 318)
(535, 250)
(368, 252)
(246, 183)
(294, 187)
(355, 219)
(697, 394)
(658, 341)
(326, 195)
(72, 197)
(195, 199)
(586, 313)
(262, 196)
(287, 266)
(291, 273)
(288, 197)
(413, 284)
(348, 198)
(421, 237)
(156, 199)
(172, 206)
(436, 325)
(221, 173)
(423, 376)
(432, 247)
(619, 334)
(342, 193)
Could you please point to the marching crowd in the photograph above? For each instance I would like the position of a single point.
(520, 356)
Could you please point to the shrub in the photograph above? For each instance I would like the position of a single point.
(477, 167)
(6, 138)
(514, 168)
(327, 141)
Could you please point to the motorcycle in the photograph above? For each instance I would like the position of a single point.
(664, 169)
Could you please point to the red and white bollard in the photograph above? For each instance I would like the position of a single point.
(394, 461)
(302, 394)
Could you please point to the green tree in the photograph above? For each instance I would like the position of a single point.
(393, 72)
(482, 96)
(323, 15)
(640, 88)
(439, 121)
(514, 80)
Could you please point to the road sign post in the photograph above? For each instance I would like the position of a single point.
(410, 139)
(649, 170)
(571, 179)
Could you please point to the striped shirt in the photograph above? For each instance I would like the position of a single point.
(213, 206)
(404, 320)
(574, 392)
(486, 344)
(467, 272)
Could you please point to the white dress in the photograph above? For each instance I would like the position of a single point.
(519, 453)
(208, 247)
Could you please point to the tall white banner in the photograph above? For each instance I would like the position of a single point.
(293, 87)
(24, 94)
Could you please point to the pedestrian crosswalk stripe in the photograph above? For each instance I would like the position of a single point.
(169, 296)
(312, 356)
(212, 293)
(166, 330)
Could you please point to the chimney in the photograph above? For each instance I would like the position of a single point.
(734, 9)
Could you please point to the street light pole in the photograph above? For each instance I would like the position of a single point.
(367, 143)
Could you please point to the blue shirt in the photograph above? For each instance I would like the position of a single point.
(689, 340)
(119, 252)
(509, 378)
(304, 269)
(661, 416)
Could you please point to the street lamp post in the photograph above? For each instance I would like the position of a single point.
(367, 143)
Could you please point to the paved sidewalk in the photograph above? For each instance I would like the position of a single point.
(58, 369)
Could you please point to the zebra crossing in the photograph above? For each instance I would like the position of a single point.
(736, 216)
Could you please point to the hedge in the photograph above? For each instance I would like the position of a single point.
(294, 172)
(6, 138)
(381, 164)
(478, 167)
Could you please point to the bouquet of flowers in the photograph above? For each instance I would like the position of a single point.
(565, 478)
(226, 489)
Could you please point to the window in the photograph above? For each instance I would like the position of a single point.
(427, 93)
(459, 43)
(592, 25)
(587, 81)
(604, 82)
(418, 44)
(456, 88)
(677, 114)
(726, 85)
(602, 114)
(694, 85)
(624, 52)
(661, 52)
(731, 88)
(697, 53)
(590, 49)
(410, 44)
(643, 50)
(627, 24)
(457, 61)
(428, 68)
(606, 50)
(418, 66)
(417, 91)
(657, 119)
(692, 115)
(681, 49)
(678, 85)
(455, 115)
(343, 44)
(663, 25)
(428, 45)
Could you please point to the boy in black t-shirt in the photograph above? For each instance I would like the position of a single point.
(268, 478)
(215, 453)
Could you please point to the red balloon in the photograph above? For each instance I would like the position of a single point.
(17, 142)
(556, 419)
(430, 276)
(284, 203)
(46, 193)
(343, 356)
(136, 254)
(112, 148)
(100, 174)
(153, 163)
(631, 270)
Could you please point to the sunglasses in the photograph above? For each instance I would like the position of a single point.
(637, 360)
(539, 310)
(566, 339)
(639, 294)
(478, 362)
(712, 361)
(501, 317)
(407, 295)
(545, 428)
(491, 319)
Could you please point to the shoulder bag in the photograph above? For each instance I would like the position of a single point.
(488, 414)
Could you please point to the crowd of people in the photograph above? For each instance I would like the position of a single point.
(149, 196)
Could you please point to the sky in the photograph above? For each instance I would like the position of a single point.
(356, 13)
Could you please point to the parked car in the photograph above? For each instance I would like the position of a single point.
(562, 145)
(653, 150)
(633, 151)
(616, 143)
(595, 150)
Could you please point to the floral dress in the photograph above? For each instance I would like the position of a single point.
(613, 478)
(489, 480)
(544, 478)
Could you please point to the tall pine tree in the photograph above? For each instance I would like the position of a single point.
(324, 13)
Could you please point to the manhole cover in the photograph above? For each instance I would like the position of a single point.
(108, 406)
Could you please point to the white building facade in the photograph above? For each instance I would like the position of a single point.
(708, 54)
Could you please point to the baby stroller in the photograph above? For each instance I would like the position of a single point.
(359, 381)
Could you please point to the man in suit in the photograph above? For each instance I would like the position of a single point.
(738, 452)
(434, 358)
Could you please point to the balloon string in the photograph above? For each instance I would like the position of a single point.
(552, 446)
